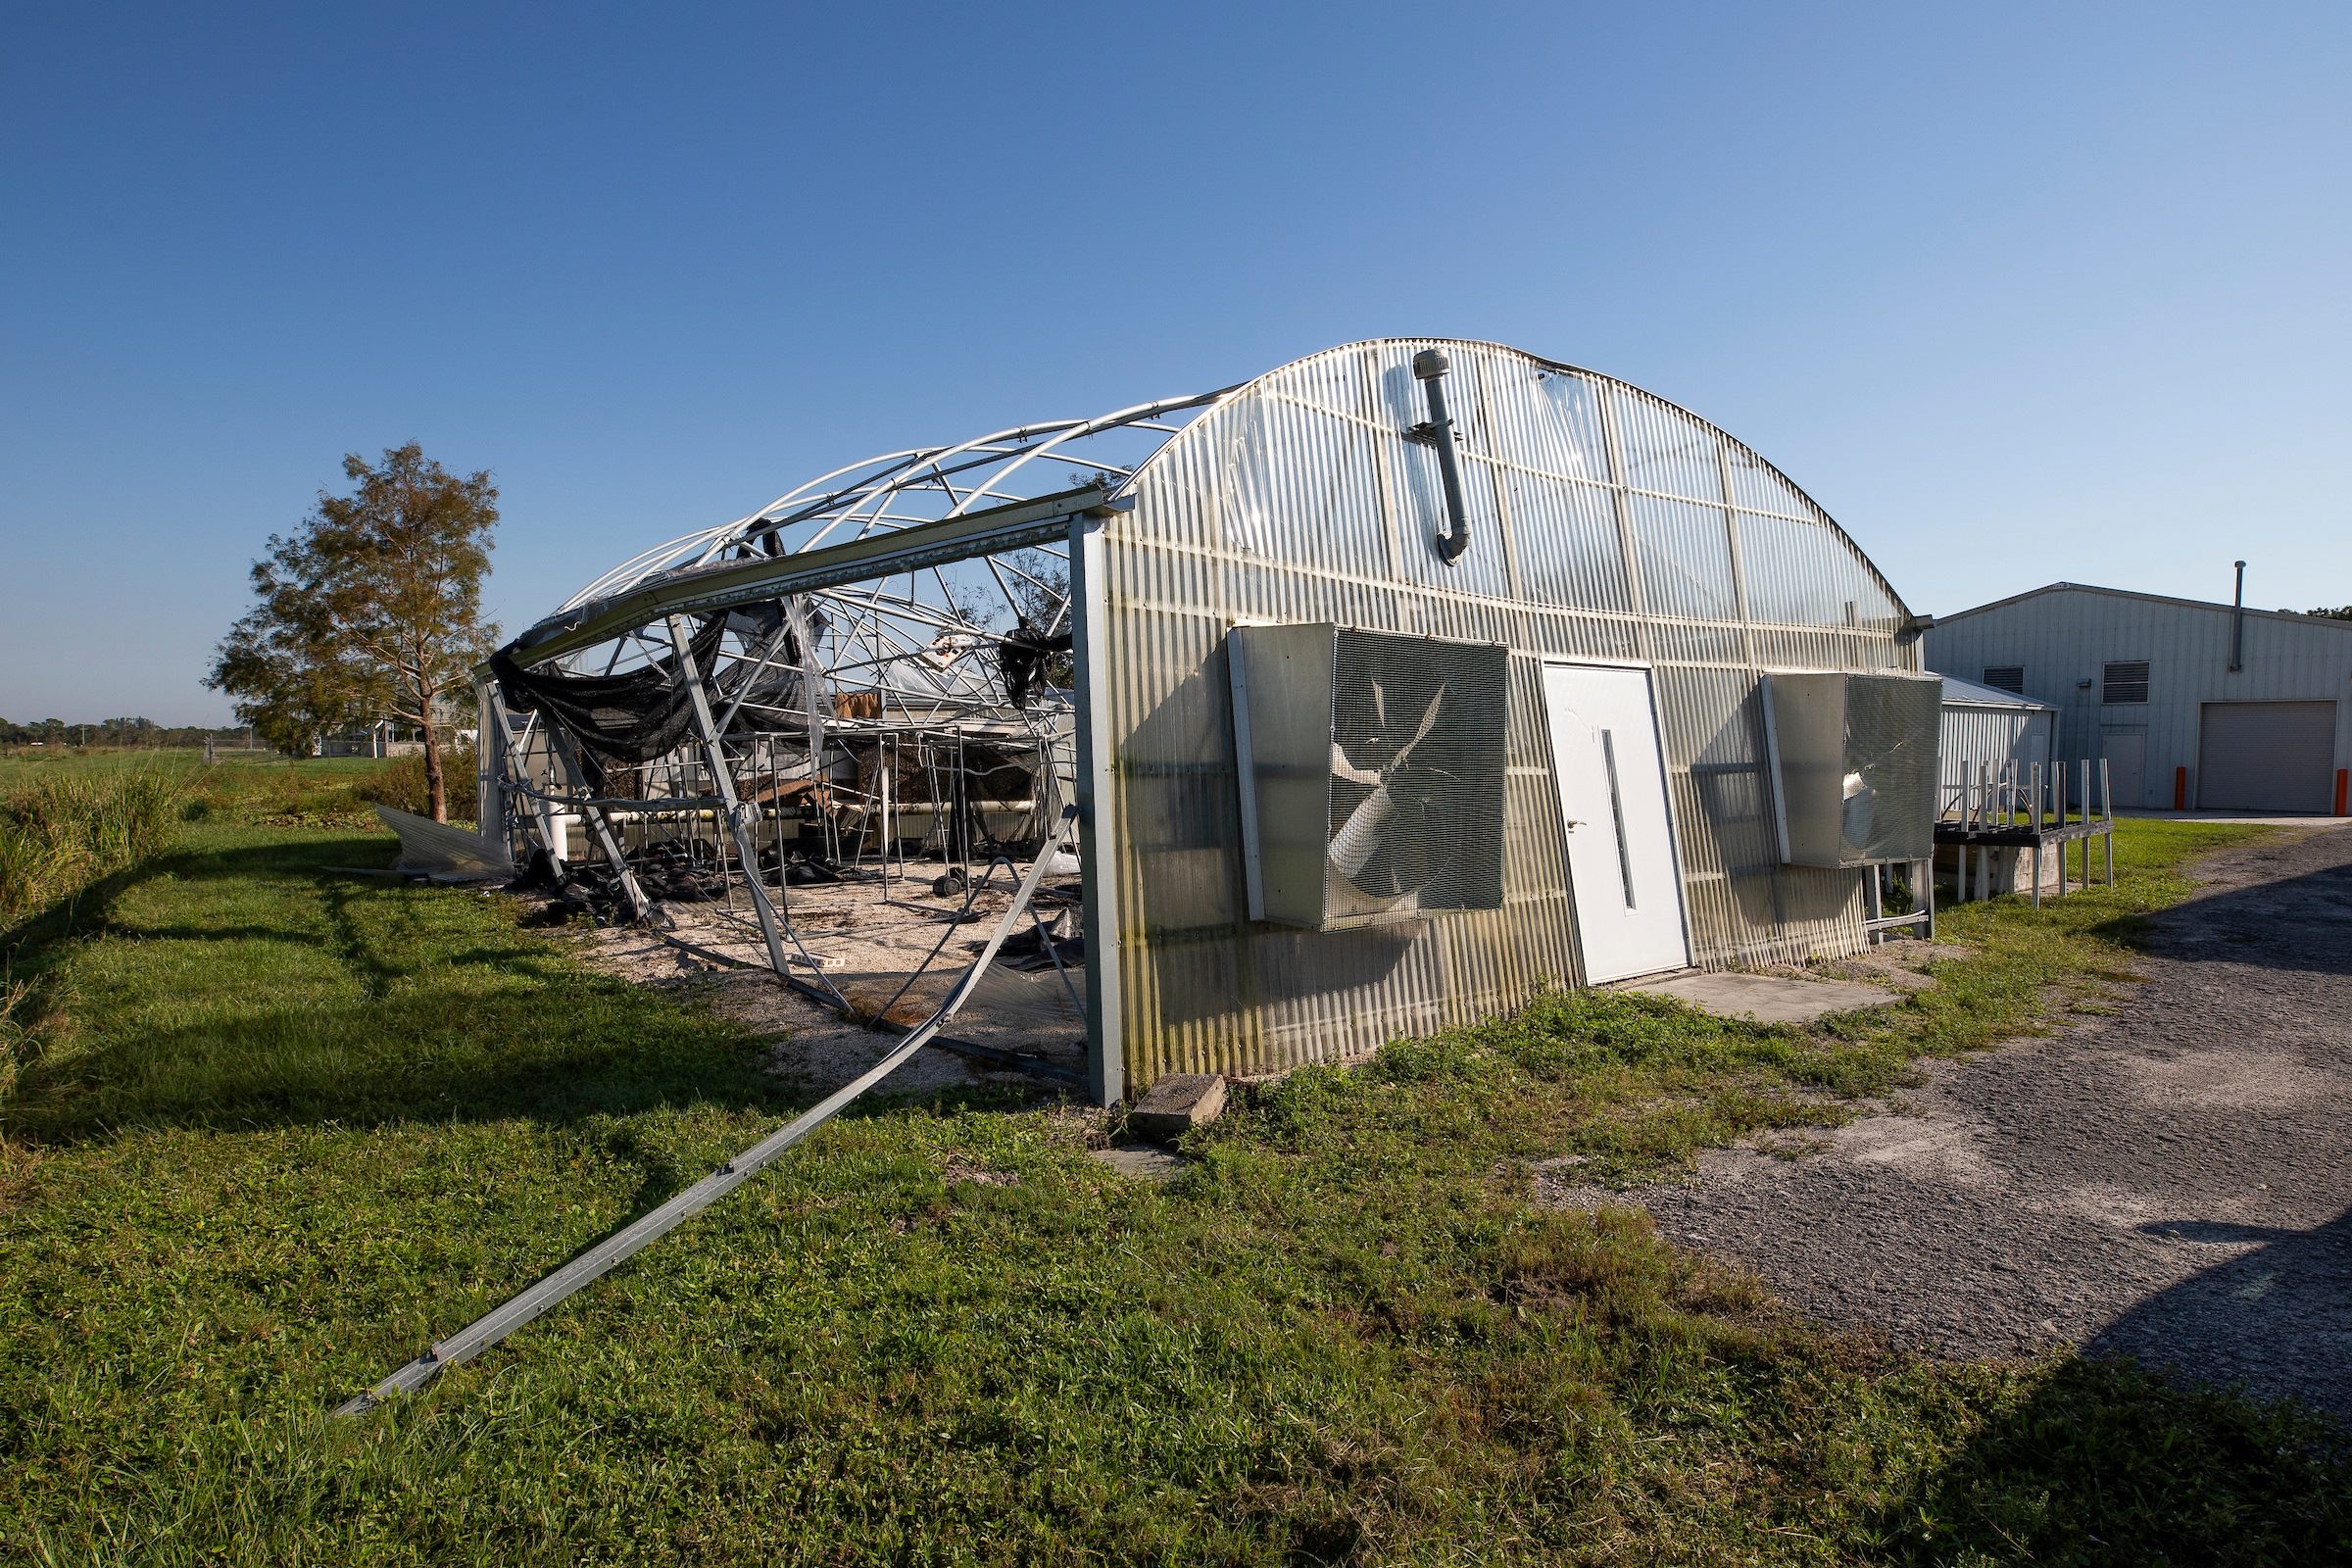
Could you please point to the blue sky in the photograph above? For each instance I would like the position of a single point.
(2017, 293)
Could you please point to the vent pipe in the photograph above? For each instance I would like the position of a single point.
(1429, 369)
(2238, 623)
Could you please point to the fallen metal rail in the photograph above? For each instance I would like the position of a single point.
(632, 1239)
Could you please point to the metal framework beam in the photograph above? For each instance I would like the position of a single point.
(1095, 806)
(559, 739)
(762, 577)
(747, 849)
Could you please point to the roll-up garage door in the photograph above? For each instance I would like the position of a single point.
(2265, 756)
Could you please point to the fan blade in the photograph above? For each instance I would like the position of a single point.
(1341, 767)
(1359, 836)
(1428, 721)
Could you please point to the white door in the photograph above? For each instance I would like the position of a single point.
(1622, 875)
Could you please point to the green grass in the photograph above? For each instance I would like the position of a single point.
(279, 1129)
(63, 831)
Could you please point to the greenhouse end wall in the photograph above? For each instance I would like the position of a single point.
(1606, 526)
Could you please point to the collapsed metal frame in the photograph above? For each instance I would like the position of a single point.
(699, 782)
(897, 585)
(855, 634)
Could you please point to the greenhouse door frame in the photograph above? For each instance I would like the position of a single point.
(1623, 787)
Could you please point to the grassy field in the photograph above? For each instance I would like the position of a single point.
(274, 1129)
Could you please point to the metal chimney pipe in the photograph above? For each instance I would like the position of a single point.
(1429, 369)
(2238, 623)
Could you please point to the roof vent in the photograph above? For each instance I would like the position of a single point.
(1429, 369)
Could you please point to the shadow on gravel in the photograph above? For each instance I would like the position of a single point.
(2277, 1320)
(2302, 924)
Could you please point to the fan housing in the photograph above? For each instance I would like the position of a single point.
(1372, 773)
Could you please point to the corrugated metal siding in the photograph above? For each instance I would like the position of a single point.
(1974, 737)
(2067, 635)
(1602, 530)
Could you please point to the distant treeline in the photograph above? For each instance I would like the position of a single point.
(117, 732)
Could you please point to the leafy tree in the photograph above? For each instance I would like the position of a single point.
(2339, 612)
(372, 607)
(289, 684)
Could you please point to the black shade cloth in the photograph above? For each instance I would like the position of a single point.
(629, 718)
(1023, 656)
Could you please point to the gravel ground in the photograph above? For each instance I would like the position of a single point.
(2174, 1183)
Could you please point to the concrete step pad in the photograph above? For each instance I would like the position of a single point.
(1766, 998)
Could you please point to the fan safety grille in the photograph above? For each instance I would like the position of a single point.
(1417, 776)
(1891, 745)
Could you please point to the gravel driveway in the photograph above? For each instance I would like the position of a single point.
(2173, 1183)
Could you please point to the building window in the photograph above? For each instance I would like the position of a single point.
(2006, 677)
(2124, 681)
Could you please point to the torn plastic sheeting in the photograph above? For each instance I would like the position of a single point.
(446, 854)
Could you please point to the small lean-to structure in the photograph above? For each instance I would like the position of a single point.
(1991, 729)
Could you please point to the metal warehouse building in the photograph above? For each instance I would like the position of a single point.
(1376, 691)
(2194, 705)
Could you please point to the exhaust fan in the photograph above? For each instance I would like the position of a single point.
(1372, 773)
(1853, 763)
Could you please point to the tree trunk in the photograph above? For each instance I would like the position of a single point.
(433, 790)
(434, 781)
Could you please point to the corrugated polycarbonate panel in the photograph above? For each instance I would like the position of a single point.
(1683, 552)
(1299, 498)
(1665, 450)
(1566, 531)
(1793, 577)
(1757, 486)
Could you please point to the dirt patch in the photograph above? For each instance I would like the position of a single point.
(964, 1169)
(1900, 965)
(815, 1045)
(2170, 1182)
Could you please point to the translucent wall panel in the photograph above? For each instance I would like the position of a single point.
(1569, 552)
(1756, 488)
(1664, 449)
(1804, 574)
(1301, 488)
(1685, 552)
(1549, 422)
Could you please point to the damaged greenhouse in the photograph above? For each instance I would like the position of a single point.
(1225, 733)
(1244, 729)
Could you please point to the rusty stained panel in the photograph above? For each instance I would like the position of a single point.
(1607, 524)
